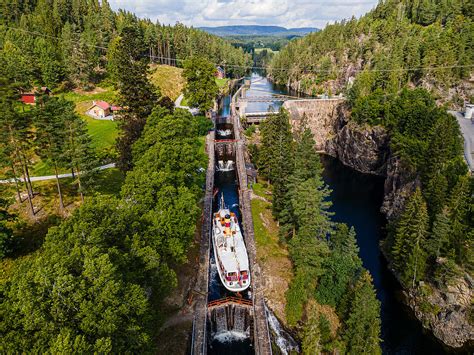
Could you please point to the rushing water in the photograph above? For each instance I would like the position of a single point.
(357, 199)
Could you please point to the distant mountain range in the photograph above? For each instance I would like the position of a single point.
(255, 30)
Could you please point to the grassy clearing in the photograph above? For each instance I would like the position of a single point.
(269, 50)
(221, 82)
(169, 79)
(103, 133)
(105, 93)
(272, 256)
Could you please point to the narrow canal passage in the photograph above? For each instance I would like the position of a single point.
(229, 328)
(357, 199)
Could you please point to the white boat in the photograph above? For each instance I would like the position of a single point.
(230, 251)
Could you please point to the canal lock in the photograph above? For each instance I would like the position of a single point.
(230, 316)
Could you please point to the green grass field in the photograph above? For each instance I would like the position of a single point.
(269, 50)
(103, 133)
(169, 79)
(221, 82)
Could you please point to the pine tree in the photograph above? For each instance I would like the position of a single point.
(436, 193)
(311, 343)
(362, 327)
(137, 95)
(459, 204)
(307, 165)
(276, 156)
(439, 241)
(79, 155)
(340, 268)
(310, 206)
(201, 87)
(408, 252)
(51, 135)
(16, 138)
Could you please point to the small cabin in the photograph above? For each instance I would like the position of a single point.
(102, 110)
(220, 73)
(29, 97)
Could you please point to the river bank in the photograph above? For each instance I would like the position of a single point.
(401, 331)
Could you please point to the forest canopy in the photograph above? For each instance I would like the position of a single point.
(58, 43)
(396, 43)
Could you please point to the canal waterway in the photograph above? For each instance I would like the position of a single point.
(221, 339)
(357, 199)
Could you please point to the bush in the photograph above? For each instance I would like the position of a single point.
(250, 130)
(203, 125)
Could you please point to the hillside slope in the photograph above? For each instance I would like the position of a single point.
(255, 30)
(400, 39)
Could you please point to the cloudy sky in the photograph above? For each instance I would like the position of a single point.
(287, 13)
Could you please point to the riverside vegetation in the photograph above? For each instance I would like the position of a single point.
(331, 299)
(97, 281)
(385, 63)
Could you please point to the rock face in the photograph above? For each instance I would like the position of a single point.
(363, 148)
(367, 149)
(445, 311)
(398, 187)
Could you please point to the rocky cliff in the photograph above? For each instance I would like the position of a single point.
(443, 310)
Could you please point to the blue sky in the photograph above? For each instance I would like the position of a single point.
(287, 13)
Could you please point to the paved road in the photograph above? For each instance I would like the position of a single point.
(467, 129)
(52, 177)
(177, 104)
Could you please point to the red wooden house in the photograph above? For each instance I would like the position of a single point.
(29, 97)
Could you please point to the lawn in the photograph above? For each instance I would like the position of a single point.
(103, 133)
(272, 256)
(169, 79)
(105, 93)
(269, 50)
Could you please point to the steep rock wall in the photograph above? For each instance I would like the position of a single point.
(366, 149)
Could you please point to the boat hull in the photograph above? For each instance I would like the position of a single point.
(222, 278)
(230, 252)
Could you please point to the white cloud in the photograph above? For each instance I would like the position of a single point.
(287, 13)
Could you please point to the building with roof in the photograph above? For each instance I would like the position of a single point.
(29, 97)
(220, 73)
(102, 110)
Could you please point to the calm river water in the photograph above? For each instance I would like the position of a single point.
(357, 199)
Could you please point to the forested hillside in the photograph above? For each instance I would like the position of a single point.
(331, 302)
(396, 66)
(58, 43)
(400, 39)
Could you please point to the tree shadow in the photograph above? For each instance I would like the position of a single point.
(29, 237)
